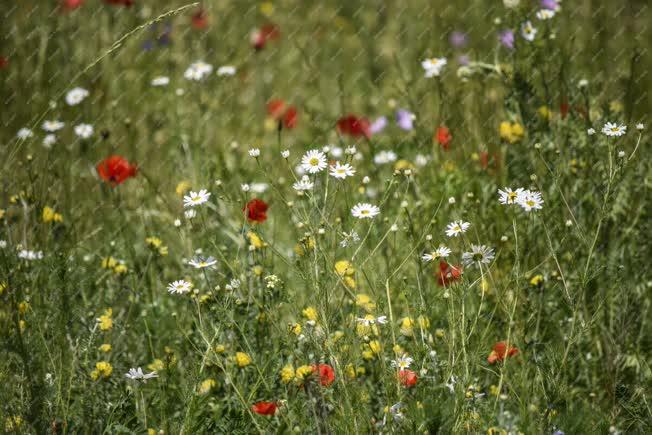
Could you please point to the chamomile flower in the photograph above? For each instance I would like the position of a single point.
(590, 131)
(49, 140)
(226, 70)
(433, 66)
(76, 96)
(365, 211)
(160, 81)
(456, 228)
(314, 161)
(197, 71)
(437, 254)
(52, 126)
(138, 375)
(385, 157)
(26, 254)
(349, 238)
(528, 31)
(196, 198)
(179, 287)
(479, 254)
(303, 184)
(202, 263)
(368, 321)
(341, 171)
(613, 129)
(24, 133)
(509, 196)
(530, 200)
(254, 152)
(545, 14)
(640, 126)
(84, 131)
(403, 362)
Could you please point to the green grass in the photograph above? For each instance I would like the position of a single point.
(569, 285)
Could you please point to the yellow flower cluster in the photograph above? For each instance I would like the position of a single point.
(346, 271)
(298, 375)
(364, 301)
(118, 267)
(255, 242)
(206, 386)
(305, 244)
(242, 359)
(512, 132)
(157, 245)
(408, 324)
(183, 187)
(105, 321)
(49, 215)
(103, 369)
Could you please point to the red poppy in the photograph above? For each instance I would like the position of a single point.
(444, 137)
(500, 352)
(354, 126)
(408, 378)
(564, 108)
(4, 62)
(260, 37)
(116, 170)
(286, 115)
(486, 159)
(199, 19)
(325, 372)
(256, 210)
(71, 5)
(448, 274)
(120, 2)
(264, 408)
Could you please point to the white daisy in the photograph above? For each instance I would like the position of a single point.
(24, 133)
(259, 187)
(160, 81)
(52, 126)
(385, 157)
(433, 66)
(365, 211)
(640, 126)
(613, 129)
(403, 362)
(545, 14)
(439, 253)
(138, 375)
(226, 70)
(179, 287)
(198, 70)
(49, 140)
(480, 254)
(528, 31)
(342, 171)
(590, 131)
(303, 184)
(456, 228)
(314, 161)
(530, 200)
(76, 96)
(26, 254)
(254, 152)
(285, 154)
(202, 263)
(509, 196)
(196, 198)
(84, 130)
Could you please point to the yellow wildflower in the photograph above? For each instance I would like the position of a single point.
(105, 320)
(375, 347)
(13, 423)
(511, 132)
(120, 269)
(258, 270)
(363, 329)
(310, 313)
(3, 287)
(302, 373)
(407, 323)
(349, 370)
(267, 8)
(206, 386)
(109, 263)
(23, 307)
(364, 301)
(220, 348)
(49, 215)
(424, 323)
(294, 328)
(103, 369)
(183, 187)
(157, 245)
(536, 280)
(255, 241)
(156, 366)
(402, 165)
(287, 374)
(105, 347)
(544, 112)
(344, 268)
(242, 359)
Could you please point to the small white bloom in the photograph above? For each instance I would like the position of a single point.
(160, 81)
(285, 154)
(198, 70)
(365, 211)
(613, 129)
(480, 254)
(451, 200)
(385, 157)
(49, 140)
(138, 375)
(179, 287)
(433, 66)
(245, 187)
(190, 213)
(177, 223)
(24, 133)
(226, 70)
(511, 4)
(350, 150)
(26, 254)
(528, 31)
(341, 171)
(583, 83)
(196, 198)
(640, 126)
(3, 244)
(259, 187)
(590, 131)
(314, 161)
(303, 184)
(545, 14)
(403, 362)
(254, 152)
(84, 131)
(621, 154)
(456, 228)
(530, 200)
(437, 254)
(76, 96)
(509, 196)
(52, 126)
(202, 263)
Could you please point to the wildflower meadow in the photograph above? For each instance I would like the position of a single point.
(325, 217)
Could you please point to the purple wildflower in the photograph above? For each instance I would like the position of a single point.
(550, 4)
(507, 38)
(458, 39)
(404, 119)
(378, 125)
